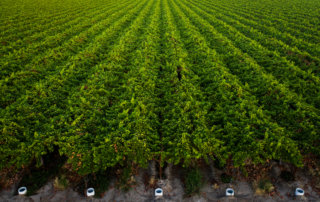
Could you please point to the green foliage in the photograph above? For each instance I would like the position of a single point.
(35, 180)
(36, 177)
(193, 180)
(61, 182)
(225, 178)
(219, 165)
(117, 83)
(125, 179)
(265, 185)
(100, 181)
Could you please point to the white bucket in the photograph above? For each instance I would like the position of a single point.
(158, 192)
(299, 192)
(90, 192)
(22, 191)
(229, 192)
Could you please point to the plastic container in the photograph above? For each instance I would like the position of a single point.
(158, 192)
(299, 192)
(229, 192)
(90, 192)
(22, 191)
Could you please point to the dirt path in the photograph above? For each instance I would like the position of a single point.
(173, 191)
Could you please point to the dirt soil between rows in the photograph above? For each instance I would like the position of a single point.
(174, 191)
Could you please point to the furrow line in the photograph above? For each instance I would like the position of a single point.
(301, 59)
(50, 11)
(231, 104)
(302, 82)
(267, 14)
(104, 100)
(184, 124)
(311, 48)
(275, 21)
(46, 64)
(285, 107)
(21, 29)
(35, 35)
(19, 59)
(42, 108)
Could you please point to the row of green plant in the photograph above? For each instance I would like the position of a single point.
(302, 82)
(283, 21)
(168, 80)
(31, 125)
(21, 33)
(300, 120)
(100, 115)
(50, 62)
(27, 52)
(234, 113)
(251, 28)
(300, 42)
(297, 20)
